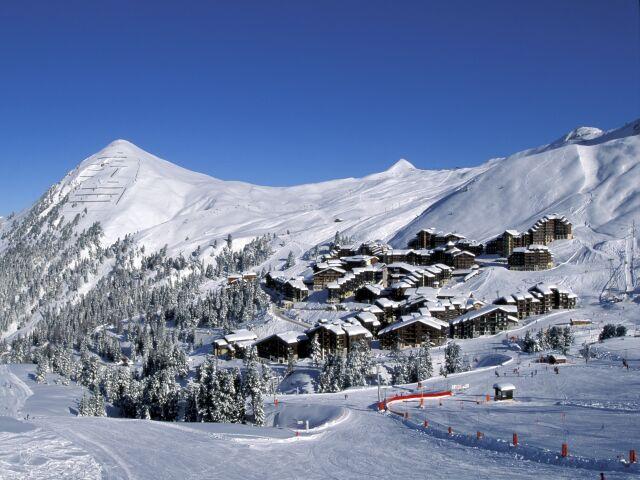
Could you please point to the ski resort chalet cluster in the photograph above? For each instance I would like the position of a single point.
(399, 296)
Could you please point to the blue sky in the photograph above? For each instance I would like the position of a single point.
(287, 92)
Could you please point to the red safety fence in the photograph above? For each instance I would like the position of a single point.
(412, 396)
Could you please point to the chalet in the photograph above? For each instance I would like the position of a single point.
(413, 330)
(375, 249)
(369, 320)
(361, 261)
(292, 290)
(533, 257)
(338, 336)
(546, 230)
(526, 304)
(348, 284)
(376, 310)
(550, 228)
(553, 359)
(346, 250)
(459, 259)
(295, 290)
(471, 246)
(424, 238)
(396, 255)
(325, 276)
(487, 320)
(389, 308)
(503, 391)
(442, 307)
(282, 346)
(234, 344)
(368, 293)
(553, 297)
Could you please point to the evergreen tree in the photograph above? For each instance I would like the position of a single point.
(290, 261)
(530, 344)
(423, 363)
(84, 406)
(452, 359)
(567, 339)
(41, 370)
(191, 410)
(254, 389)
(316, 351)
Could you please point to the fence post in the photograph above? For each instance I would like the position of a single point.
(565, 450)
(515, 439)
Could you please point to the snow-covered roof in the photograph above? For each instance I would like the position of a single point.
(386, 303)
(353, 329)
(291, 337)
(240, 335)
(297, 283)
(407, 320)
(504, 386)
(484, 311)
(368, 318)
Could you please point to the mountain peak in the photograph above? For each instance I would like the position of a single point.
(401, 166)
(582, 133)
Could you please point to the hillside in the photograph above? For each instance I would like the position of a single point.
(129, 190)
(588, 175)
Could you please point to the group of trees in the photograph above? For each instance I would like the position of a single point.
(412, 368)
(253, 253)
(229, 395)
(340, 372)
(610, 331)
(553, 338)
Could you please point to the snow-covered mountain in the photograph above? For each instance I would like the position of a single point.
(588, 175)
(131, 191)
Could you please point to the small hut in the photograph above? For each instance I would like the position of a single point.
(555, 359)
(504, 391)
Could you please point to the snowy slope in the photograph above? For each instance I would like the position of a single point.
(131, 191)
(590, 176)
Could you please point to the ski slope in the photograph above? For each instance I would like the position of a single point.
(347, 439)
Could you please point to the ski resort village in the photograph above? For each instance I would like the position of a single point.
(407, 324)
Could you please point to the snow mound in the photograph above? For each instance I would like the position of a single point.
(316, 417)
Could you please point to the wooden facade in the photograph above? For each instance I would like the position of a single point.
(280, 347)
(413, 331)
(487, 320)
(531, 258)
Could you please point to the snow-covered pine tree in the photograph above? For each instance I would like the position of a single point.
(400, 372)
(530, 343)
(452, 359)
(191, 409)
(84, 406)
(567, 339)
(97, 405)
(316, 351)
(290, 261)
(253, 389)
(424, 365)
(41, 370)
(357, 365)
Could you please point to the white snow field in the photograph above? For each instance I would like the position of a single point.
(590, 176)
